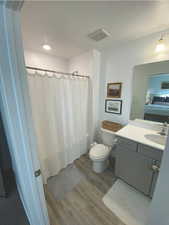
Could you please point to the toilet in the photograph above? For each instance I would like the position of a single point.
(99, 153)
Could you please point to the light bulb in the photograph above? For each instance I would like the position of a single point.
(160, 46)
(47, 47)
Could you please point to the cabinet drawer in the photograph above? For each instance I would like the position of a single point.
(150, 152)
(124, 143)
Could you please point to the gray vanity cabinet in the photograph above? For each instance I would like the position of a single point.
(134, 165)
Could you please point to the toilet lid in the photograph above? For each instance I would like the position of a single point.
(99, 151)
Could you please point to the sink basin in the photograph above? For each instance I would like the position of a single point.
(157, 138)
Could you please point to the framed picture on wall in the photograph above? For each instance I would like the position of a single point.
(113, 106)
(165, 85)
(114, 90)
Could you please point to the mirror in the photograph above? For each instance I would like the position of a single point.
(150, 92)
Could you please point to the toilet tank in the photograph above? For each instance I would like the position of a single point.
(107, 137)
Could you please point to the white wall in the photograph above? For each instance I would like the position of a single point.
(45, 61)
(89, 64)
(117, 66)
(82, 63)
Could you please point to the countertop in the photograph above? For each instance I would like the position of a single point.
(137, 134)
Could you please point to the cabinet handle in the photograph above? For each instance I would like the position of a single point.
(155, 168)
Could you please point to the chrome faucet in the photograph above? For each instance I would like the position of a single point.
(164, 129)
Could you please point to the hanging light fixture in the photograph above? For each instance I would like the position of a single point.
(160, 47)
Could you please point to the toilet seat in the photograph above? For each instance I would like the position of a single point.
(99, 151)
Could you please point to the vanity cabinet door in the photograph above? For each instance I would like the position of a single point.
(156, 155)
(135, 169)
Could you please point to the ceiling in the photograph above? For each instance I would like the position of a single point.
(65, 25)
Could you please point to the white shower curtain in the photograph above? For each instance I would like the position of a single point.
(60, 110)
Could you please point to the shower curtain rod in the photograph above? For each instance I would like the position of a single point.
(53, 71)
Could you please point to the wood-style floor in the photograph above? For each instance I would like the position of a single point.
(84, 205)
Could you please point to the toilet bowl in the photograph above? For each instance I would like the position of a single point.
(99, 155)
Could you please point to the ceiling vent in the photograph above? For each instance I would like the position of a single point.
(99, 35)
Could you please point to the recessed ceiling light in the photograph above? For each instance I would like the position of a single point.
(47, 47)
